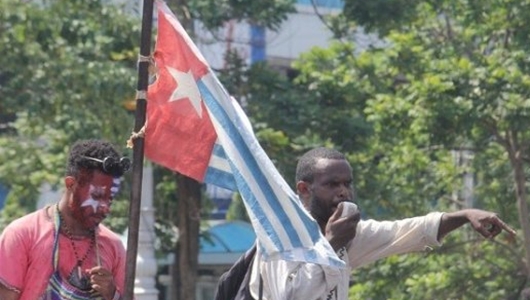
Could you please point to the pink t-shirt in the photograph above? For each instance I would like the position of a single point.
(26, 261)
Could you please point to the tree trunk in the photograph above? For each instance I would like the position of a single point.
(185, 265)
(188, 216)
(522, 205)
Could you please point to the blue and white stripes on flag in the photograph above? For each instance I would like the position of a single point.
(285, 230)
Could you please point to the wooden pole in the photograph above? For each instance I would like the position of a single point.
(138, 150)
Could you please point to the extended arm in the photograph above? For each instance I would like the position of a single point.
(486, 223)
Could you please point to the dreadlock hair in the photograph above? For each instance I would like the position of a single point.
(305, 170)
(93, 148)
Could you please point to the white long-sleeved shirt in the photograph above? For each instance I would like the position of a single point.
(373, 240)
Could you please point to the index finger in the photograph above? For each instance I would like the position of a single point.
(506, 227)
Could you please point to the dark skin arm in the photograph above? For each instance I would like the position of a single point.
(339, 231)
(6, 294)
(484, 222)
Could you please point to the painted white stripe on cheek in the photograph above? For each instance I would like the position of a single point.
(115, 188)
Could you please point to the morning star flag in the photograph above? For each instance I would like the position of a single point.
(194, 127)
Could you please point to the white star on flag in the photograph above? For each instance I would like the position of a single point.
(221, 149)
(186, 88)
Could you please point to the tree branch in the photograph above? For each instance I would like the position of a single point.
(323, 20)
(449, 29)
(492, 128)
(507, 32)
(320, 16)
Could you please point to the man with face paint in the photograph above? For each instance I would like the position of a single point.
(324, 183)
(63, 251)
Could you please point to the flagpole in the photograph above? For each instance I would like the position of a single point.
(138, 150)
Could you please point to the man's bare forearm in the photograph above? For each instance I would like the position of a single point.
(488, 224)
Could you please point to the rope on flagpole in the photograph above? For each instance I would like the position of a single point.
(144, 58)
(138, 151)
(151, 62)
(141, 94)
(136, 135)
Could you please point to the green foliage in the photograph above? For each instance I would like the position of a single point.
(237, 210)
(266, 13)
(65, 77)
(450, 81)
(270, 101)
(165, 203)
(381, 15)
(472, 269)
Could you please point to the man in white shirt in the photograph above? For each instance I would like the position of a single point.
(323, 181)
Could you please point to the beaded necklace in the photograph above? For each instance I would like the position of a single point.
(79, 281)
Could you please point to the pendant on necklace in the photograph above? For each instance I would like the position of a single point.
(79, 274)
(79, 280)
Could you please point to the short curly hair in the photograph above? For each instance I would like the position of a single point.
(305, 169)
(93, 148)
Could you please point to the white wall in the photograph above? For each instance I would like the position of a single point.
(299, 33)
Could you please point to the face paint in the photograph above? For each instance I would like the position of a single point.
(98, 192)
(92, 199)
(115, 188)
